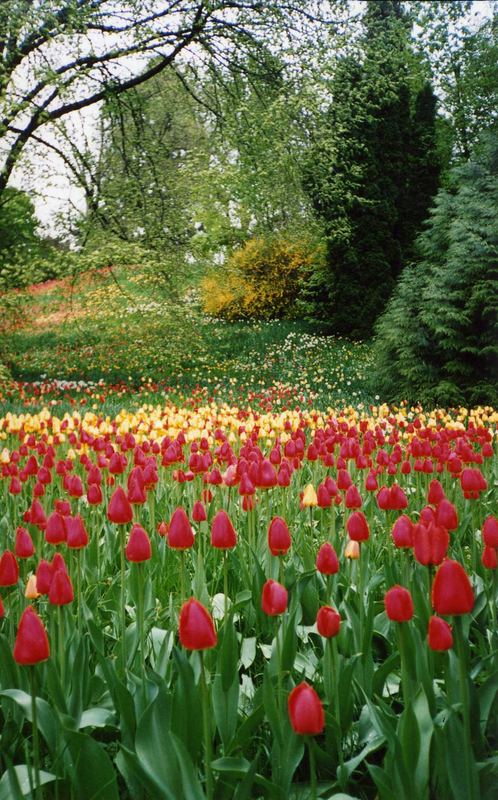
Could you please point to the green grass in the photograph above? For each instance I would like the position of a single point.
(124, 331)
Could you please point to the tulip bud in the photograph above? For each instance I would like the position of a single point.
(439, 636)
(398, 604)
(199, 512)
(24, 547)
(31, 592)
(274, 598)
(61, 589)
(309, 499)
(180, 533)
(119, 509)
(279, 539)
(9, 569)
(489, 558)
(196, 627)
(436, 493)
(43, 577)
(357, 526)
(352, 550)
(402, 532)
(138, 547)
(305, 710)
(490, 531)
(326, 561)
(452, 592)
(446, 515)
(31, 645)
(328, 622)
(223, 534)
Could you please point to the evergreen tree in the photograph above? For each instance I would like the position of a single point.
(437, 342)
(375, 175)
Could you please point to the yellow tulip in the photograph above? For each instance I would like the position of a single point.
(309, 496)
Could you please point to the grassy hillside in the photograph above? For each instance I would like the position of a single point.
(115, 326)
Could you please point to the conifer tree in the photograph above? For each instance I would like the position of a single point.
(372, 178)
(437, 341)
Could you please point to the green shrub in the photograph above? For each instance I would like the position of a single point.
(263, 279)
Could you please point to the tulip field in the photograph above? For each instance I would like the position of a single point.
(210, 600)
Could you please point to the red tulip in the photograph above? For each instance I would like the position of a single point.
(343, 480)
(55, 531)
(490, 531)
(9, 569)
(274, 598)
(402, 532)
(357, 526)
(76, 535)
(323, 497)
(451, 590)
(180, 533)
(119, 509)
(353, 498)
(326, 561)
(436, 493)
(199, 512)
(430, 544)
(43, 577)
(398, 500)
(223, 534)
(398, 604)
(60, 592)
(489, 558)
(138, 547)
(31, 645)
(305, 710)
(440, 636)
(94, 494)
(279, 539)
(196, 627)
(328, 622)
(446, 515)
(24, 544)
(37, 515)
(384, 499)
(136, 492)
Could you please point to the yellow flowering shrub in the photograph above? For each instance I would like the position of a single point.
(263, 279)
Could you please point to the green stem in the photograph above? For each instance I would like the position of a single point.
(36, 741)
(309, 742)
(78, 588)
(279, 664)
(140, 623)
(406, 681)
(123, 596)
(225, 587)
(472, 792)
(207, 734)
(60, 636)
(182, 577)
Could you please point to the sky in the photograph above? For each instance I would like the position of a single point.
(50, 183)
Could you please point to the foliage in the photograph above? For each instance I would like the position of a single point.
(463, 55)
(142, 185)
(73, 55)
(25, 257)
(263, 279)
(372, 171)
(438, 339)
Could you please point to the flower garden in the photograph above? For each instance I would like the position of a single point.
(211, 600)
